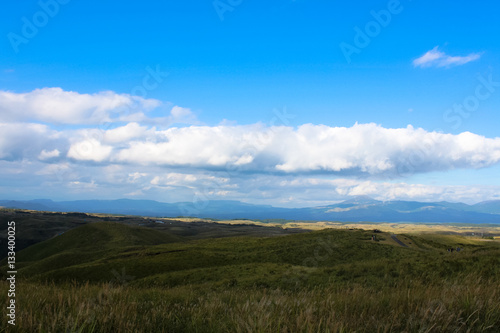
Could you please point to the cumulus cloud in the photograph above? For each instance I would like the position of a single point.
(199, 146)
(54, 105)
(19, 140)
(142, 156)
(125, 133)
(45, 155)
(361, 149)
(89, 150)
(436, 58)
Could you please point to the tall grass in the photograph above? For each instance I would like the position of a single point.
(466, 304)
(325, 281)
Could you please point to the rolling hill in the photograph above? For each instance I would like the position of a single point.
(90, 252)
(110, 277)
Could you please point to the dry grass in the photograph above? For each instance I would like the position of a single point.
(466, 305)
(412, 228)
(400, 228)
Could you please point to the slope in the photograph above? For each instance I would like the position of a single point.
(85, 244)
(96, 252)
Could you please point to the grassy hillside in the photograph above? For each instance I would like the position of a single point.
(103, 236)
(108, 277)
(91, 252)
(85, 244)
(33, 227)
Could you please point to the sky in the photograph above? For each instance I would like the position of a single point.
(289, 103)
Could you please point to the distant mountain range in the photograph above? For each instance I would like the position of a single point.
(358, 209)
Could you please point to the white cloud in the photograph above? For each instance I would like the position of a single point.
(198, 146)
(45, 155)
(320, 191)
(18, 140)
(362, 149)
(429, 57)
(67, 181)
(136, 176)
(54, 105)
(457, 61)
(125, 133)
(282, 165)
(88, 186)
(438, 58)
(89, 150)
(190, 180)
(178, 115)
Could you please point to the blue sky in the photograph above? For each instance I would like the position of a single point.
(208, 79)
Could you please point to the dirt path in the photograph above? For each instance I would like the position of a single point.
(398, 241)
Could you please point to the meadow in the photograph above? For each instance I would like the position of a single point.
(115, 277)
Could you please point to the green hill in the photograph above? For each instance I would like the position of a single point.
(96, 237)
(94, 251)
(111, 277)
(33, 227)
(85, 244)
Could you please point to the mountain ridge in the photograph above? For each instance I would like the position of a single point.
(357, 209)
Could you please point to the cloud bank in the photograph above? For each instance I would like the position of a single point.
(150, 158)
(363, 149)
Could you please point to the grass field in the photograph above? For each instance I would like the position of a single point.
(116, 277)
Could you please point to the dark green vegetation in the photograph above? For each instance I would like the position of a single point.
(114, 277)
(33, 227)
